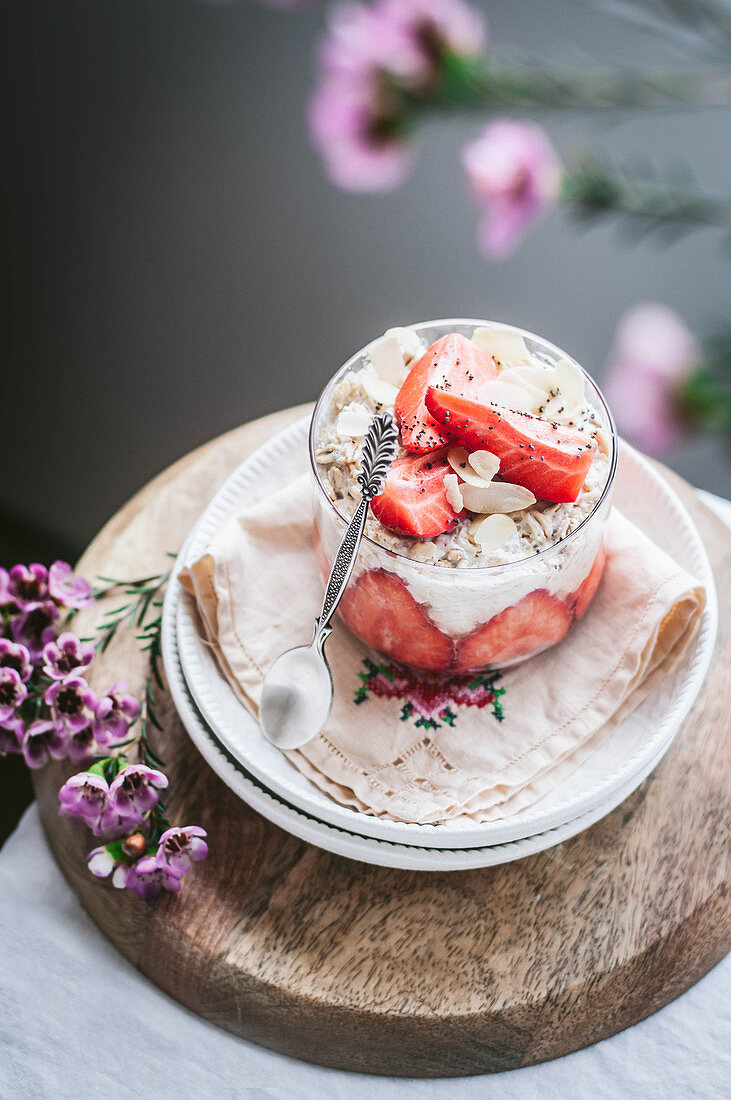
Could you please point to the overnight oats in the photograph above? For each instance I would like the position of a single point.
(485, 544)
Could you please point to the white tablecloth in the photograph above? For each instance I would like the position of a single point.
(77, 1022)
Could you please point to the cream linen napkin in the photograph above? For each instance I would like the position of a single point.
(258, 591)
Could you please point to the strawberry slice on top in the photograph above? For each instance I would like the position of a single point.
(413, 500)
(550, 459)
(453, 363)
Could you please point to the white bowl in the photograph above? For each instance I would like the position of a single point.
(599, 784)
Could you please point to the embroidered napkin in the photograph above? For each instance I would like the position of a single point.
(400, 745)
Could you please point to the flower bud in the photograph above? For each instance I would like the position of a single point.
(134, 845)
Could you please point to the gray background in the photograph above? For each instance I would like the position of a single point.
(179, 264)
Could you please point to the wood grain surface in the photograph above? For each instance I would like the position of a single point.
(414, 973)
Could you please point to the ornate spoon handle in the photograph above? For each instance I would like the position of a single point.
(379, 450)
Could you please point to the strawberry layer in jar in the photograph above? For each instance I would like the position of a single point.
(485, 545)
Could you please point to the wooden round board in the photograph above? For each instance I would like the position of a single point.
(400, 972)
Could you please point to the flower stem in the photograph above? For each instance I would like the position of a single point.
(469, 82)
(141, 595)
(594, 190)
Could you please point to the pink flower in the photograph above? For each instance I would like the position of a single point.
(67, 590)
(181, 847)
(370, 56)
(12, 692)
(34, 628)
(434, 26)
(101, 863)
(66, 655)
(28, 585)
(147, 878)
(80, 744)
(41, 741)
(83, 797)
(515, 174)
(361, 149)
(652, 355)
(115, 712)
(11, 735)
(5, 593)
(72, 703)
(131, 795)
(13, 655)
(362, 40)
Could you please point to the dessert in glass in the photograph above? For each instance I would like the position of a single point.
(485, 544)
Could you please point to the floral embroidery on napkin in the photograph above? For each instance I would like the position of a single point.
(429, 698)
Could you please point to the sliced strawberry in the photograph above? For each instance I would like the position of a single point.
(454, 363)
(537, 621)
(550, 459)
(381, 611)
(413, 500)
(583, 596)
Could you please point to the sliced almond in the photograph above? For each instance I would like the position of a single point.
(485, 464)
(570, 381)
(539, 379)
(354, 421)
(459, 459)
(602, 441)
(454, 496)
(560, 410)
(518, 398)
(506, 347)
(383, 393)
(498, 496)
(410, 344)
(493, 532)
(387, 360)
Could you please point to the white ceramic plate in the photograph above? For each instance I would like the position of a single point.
(381, 853)
(608, 776)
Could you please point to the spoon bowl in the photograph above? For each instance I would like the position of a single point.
(296, 698)
(298, 688)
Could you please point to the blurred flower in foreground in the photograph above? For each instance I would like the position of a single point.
(373, 62)
(653, 356)
(515, 174)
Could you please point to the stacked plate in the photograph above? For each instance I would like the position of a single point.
(230, 740)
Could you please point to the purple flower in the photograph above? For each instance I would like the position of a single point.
(147, 878)
(28, 585)
(362, 41)
(66, 655)
(12, 693)
(101, 863)
(80, 744)
(5, 597)
(653, 353)
(180, 848)
(83, 797)
(515, 174)
(369, 57)
(41, 741)
(15, 656)
(66, 589)
(361, 147)
(115, 711)
(34, 628)
(435, 26)
(132, 794)
(72, 703)
(11, 736)
(116, 859)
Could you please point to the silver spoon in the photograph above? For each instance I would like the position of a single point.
(298, 688)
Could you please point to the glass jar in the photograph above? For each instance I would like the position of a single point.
(477, 617)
